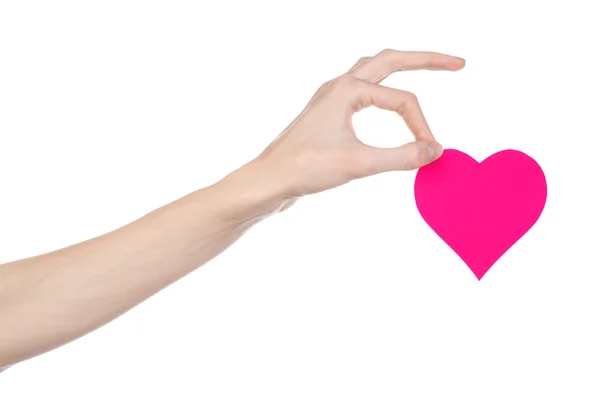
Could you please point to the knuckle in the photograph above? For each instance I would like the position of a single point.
(388, 56)
(324, 86)
(344, 81)
(392, 59)
(362, 60)
(411, 97)
(429, 61)
(386, 53)
(409, 102)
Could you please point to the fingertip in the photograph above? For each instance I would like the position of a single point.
(459, 63)
(448, 63)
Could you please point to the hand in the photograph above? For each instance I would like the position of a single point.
(319, 150)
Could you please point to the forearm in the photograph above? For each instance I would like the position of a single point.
(51, 299)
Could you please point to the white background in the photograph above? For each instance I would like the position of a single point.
(110, 109)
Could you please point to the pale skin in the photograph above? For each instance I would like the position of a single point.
(51, 299)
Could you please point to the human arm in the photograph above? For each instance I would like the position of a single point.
(54, 298)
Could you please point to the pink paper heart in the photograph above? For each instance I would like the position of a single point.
(481, 209)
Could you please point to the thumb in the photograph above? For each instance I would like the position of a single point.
(407, 157)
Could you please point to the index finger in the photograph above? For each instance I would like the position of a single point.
(405, 104)
(389, 61)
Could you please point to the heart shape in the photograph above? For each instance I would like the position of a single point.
(481, 209)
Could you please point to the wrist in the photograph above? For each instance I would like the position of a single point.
(252, 192)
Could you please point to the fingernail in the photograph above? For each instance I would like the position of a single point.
(431, 150)
(435, 151)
